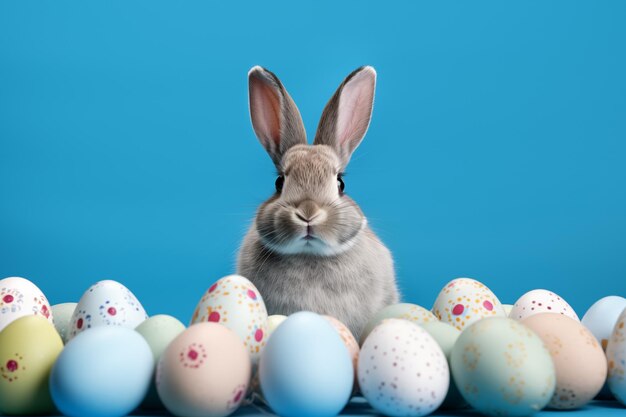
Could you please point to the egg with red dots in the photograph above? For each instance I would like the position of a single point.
(106, 303)
(233, 301)
(464, 301)
(19, 297)
(402, 371)
(541, 301)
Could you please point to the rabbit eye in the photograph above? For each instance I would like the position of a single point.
(279, 183)
(340, 183)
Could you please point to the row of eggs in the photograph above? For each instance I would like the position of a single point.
(510, 366)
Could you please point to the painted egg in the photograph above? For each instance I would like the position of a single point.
(502, 368)
(18, 298)
(616, 355)
(348, 340)
(507, 309)
(446, 335)
(579, 361)
(104, 372)
(464, 301)
(305, 369)
(601, 317)
(159, 331)
(106, 303)
(402, 370)
(29, 346)
(407, 311)
(273, 322)
(62, 318)
(233, 301)
(205, 371)
(541, 301)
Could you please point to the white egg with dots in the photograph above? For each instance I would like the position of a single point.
(541, 301)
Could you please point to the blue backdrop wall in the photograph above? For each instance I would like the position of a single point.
(496, 150)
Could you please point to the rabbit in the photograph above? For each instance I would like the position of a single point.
(310, 247)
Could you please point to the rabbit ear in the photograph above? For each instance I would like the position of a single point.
(347, 115)
(275, 117)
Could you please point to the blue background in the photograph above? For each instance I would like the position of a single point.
(496, 150)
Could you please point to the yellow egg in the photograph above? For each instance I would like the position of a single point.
(29, 347)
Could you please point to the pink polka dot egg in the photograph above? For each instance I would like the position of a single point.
(233, 301)
(464, 301)
(541, 301)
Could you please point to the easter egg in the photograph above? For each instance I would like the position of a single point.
(616, 356)
(159, 331)
(541, 301)
(348, 340)
(273, 322)
(18, 298)
(204, 371)
(464, 301)
(507, 309)
(402, 370)
(233, 301)
(502, 368)
(29, 346)
(62, 318)
(305, 369)
(407, 311)
(446, 335)
(104, 372)
(579, 361)
(106, 303)
(601, 317)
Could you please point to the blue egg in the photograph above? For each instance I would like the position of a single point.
(305, 369)
(102, 372)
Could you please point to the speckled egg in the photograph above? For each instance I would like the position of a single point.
(233, 301)
(158, 331)
(106, 303)
(29, 346)
(406, 311)
(402, 370)
(18, 298)
(541, 301)
(464, 301)
(62, 318)
(347, 338)
(601, 317)
(273, 322)
(616, 356)
(502, 368)
(579, 361)
(446, 336)
(205, 371)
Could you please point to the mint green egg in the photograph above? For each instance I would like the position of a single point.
(159, 331)
(502, 368)
(62, 317)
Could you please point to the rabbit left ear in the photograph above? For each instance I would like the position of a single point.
(347, 115)
(275, 117)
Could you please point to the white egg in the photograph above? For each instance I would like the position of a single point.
(507, 309)
(273, 322)
(616, 355)
(601, 317)
(402, 370)
(464, 301)
(541, 301)
(106, 303)
(236, 303)
(18, 298)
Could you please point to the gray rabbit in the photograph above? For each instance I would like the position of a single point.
(310, 247)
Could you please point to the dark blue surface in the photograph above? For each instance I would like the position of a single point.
(496, 149)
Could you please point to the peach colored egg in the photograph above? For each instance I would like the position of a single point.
(205, 371)
(464, 301)
(541, 301)
(580, 363)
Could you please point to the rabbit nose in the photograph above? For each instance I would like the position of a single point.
(307, 211)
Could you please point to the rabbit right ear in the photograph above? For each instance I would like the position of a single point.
(275, 117)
